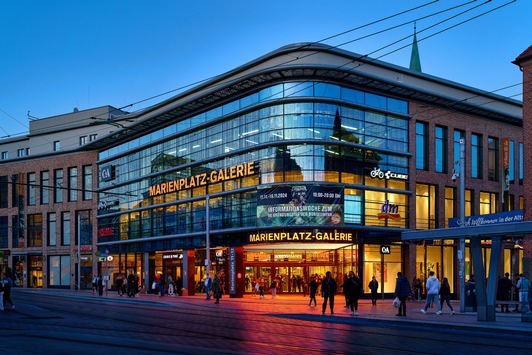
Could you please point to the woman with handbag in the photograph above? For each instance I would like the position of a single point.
(402, 291)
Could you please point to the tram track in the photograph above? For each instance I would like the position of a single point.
(249, 329)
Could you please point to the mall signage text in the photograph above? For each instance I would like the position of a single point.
(301, 236)
(203, 179)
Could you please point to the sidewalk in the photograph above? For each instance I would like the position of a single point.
(296, 306)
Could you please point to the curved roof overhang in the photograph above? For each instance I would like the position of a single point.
(243, 80)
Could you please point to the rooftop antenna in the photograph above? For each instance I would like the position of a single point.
(32, 118)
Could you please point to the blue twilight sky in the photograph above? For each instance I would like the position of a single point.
(59, 54)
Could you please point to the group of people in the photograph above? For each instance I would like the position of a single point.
(6, 284)
(213, 287)
(521, 287)
(125, 286)
(434, 291)
(167, 285)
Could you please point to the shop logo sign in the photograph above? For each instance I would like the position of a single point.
(378, 173)
(389, 211)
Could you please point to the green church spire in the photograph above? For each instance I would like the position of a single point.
(415, 63)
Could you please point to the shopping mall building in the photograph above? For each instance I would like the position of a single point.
(307, 159)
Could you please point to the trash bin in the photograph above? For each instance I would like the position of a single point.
(470, 301)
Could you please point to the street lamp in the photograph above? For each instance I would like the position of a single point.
(461, 251)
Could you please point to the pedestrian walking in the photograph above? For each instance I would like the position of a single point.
(208, 287)
(344, 291)
(328, 290)
(119, 281)
(99, 282)
(131, 280)
(94, 284)
(374, 287)
(7, 281)
(273, 288)
(353, 289)
(170, 286)
(445, 294)
(313, 288)
(402, 291)
(216, 289)
(2, 288)
(523, 285)
(161, 285)
(261, 287)
(432, 285)
(504, 288)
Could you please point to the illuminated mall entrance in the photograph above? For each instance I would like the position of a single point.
(291, 266)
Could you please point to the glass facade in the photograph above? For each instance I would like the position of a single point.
(293, 133)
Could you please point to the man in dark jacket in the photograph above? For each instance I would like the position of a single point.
(402, 290)
(504, 287)
(353, 289)
(374, 287)
(328, 290)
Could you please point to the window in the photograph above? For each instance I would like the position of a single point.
(20, 152)
(426, 206)
(85, 217)
(87, 182)
(45, 189)
(4, 231)
(5, 155)
(476, 156)
(32, 190)
(488, 203)
(521, 164)
(72, 184)
(458, 135)
(82, 140)
(493, 159)
(450, 210)
(441, 149)
(58, 185)
(511, 163)
(93, 137)
(57, 146)
(59, 270)
(422, 141)
(65, 230)
(35, 230)
(3, 191)
(27, 151)
(468, 203)
(52, 229)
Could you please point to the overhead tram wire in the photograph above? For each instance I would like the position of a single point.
(216, 76)
(344, 32)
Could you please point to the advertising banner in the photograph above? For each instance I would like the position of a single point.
(300, 205)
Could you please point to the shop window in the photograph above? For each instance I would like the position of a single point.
(59, 270)
(426, 201)
(35, 230)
